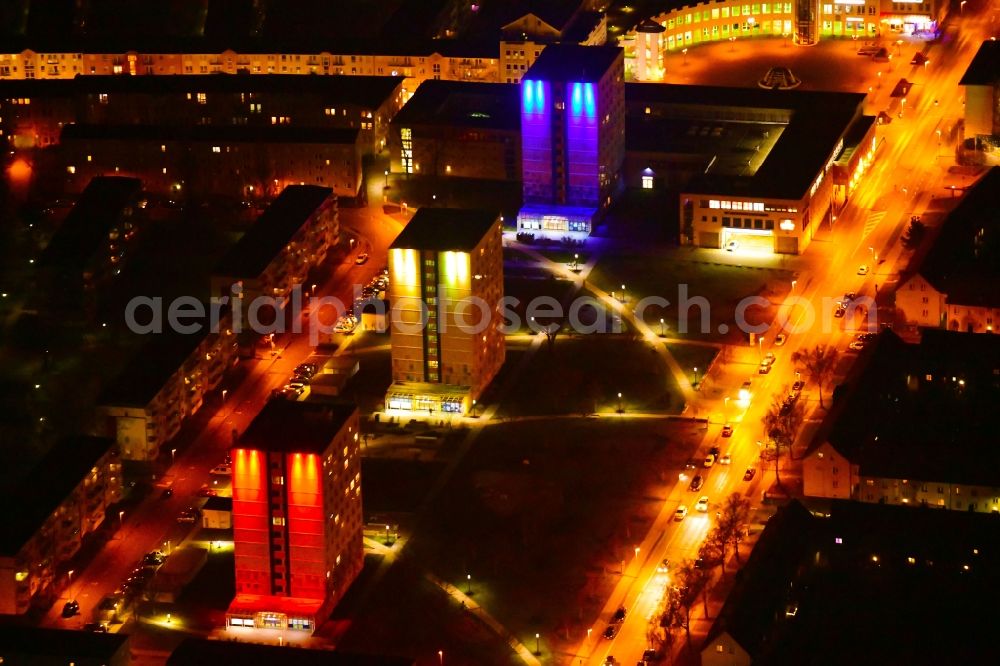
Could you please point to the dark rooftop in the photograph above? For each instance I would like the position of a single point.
(855, 588)
(86, 227)
(296, 427)
(369, 91)
(463, 104)
(918, 411)
(273, 230)
(444, 229)
(46, 486)
(19, 644)
(218, 503)
(203, 133)
(201, 651)
(963, 260)
(984, 70)
(571, 62)
(149, 370)
(813, 123)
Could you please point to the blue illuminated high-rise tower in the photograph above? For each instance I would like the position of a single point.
(572, 138)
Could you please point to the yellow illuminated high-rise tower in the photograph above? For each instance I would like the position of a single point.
(445, 288)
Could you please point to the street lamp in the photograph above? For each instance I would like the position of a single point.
(731, 40)
(121, 520)
(637, 552)
(874, 256)
(69, 584)
(623, 293)
(173, 455)
(590, 630)
(473, 408)
(620, 409)
(899, 44)
(386, 179)
(685, 52)
(961, 7)
(793, 284)
(663, 330)
(468, 585)
(537, 648)
(696, 375)
(440, 657)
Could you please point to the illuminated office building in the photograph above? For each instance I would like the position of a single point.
(572, 138)
(296, 515)
(445, 288)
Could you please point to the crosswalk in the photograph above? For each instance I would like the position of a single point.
(874, 217)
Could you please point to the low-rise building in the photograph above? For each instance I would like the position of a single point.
(289, 239)
(50, 512)
(458, 129)
(33, 113)
(33, 646)
(297, 520)
(217, 514)
(523, 39)
(236, 161)
(201, 651)
(166, 382)
(908, 426)
(945, 284)
(445, 293)
(853, 584)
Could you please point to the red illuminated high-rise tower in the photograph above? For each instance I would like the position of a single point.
(297, 525)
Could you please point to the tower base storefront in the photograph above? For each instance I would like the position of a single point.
(556, 222)
(251, 611)
(427, 399)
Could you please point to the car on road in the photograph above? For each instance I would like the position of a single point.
(749, 474)
(863, 269)
(222, 470)
(764, 368)
(709, 460)
(70, 608)
(840, 312)
(361, 258)
(702, 504)
(768, 359)
(849, 296)
(610, 661)
(663, 566)
(611, 631)
(306, 369)
(798, 386)
(726, 459)
(727, 430)
(299, 380)
(207, 492)
(681, 513)
(696, 483)
(691, 464)
(745, 390)
(732, 245)
(288, 392)
(779, 340)
(188, 516)
(619, 615)
(649, 655)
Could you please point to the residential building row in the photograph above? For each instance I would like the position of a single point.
(51, 512)
(33, 113)
(945, 283)
(803, 21)
(981, 84)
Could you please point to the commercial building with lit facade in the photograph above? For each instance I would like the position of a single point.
(33, 113)
(945, 285)
(850, 583)
(523, 39)
(460, 130)
(907, 426)
(242, 162)
(758, 170)
(50, 512)
(802, 22)
(297, 524)
(290, 238)
(165, 383)
(445, 288)
(572, 138)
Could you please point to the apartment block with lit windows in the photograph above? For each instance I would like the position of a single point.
(50, 513)
(34, 112)
(572, 138)
(297, 521)
(445, 288)
(235, 161)
(290, 238)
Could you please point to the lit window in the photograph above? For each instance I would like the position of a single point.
(90, 158)
(278, 520)
(216, 149)
(647, 182)
(202, 98)
(71, 169)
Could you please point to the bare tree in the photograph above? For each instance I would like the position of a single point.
(688, 586)
(715, 548)
(819, 362)
(781, 425)
(733, 520)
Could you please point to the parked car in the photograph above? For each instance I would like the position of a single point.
(96, 628)
(779, 340)
(306, 369)
(727, 430)
(611, 631)
(768, 359)
(764, 368)
(207, 492)
(745, 390)
(188, 516)
(866, 337)
(856, 345)
(153, 558)
(222, 470)
(863, 269)
(361, 259)
(798, 386)
(749, 474)
(732, 245)
(840, 312)
(70, 608)
(619, 615)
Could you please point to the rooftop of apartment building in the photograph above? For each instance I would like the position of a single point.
(36, 495)
(272, 231)
(290, 426)
(963, 259)
(867, 583)
(58, 645)
(463, 104)
(572, 62)
(365, 91)
(203, 133)
(151, 368)
(809, 126)
(915, 411)
(200, 651)
(984, 70)
(87, 225)
(444, 229)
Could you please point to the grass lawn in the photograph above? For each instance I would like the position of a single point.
(584, 374)
(693, 356)
(722, 287)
